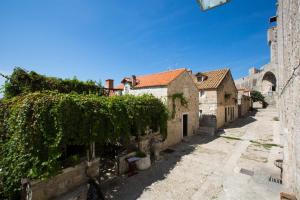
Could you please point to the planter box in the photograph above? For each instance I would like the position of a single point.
(143, 163)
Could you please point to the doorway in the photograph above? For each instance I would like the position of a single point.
(225, 115)
(185, 125)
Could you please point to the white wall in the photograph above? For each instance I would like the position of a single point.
(159, 92)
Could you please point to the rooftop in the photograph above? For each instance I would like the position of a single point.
(154, 80)
(213, 80)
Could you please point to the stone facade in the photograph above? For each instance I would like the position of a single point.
(218, 106)
(227, 101)
(159, 92)
(68, 180)
(182, 84)
(265, 78)
(208, 107)
(288, 36)
(244, 102)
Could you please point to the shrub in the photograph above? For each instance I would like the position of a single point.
(36, 127)
(257, 96)
(21, 82)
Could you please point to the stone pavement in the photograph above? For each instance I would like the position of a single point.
(237, 165)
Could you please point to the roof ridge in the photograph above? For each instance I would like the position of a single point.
(161, 72)
(215, 70)
(215, 78)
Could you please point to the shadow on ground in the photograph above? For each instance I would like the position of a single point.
(243, 121)
(129, 188)
(132, 187)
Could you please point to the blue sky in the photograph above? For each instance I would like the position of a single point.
(100, 39)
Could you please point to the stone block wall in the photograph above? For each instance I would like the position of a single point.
(208, 103)
(182, 84)
(288, 34)
(159, 92)
(244, 105)
(227, 87)
(208, 106)
(68, 180)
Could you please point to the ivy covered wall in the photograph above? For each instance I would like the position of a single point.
(36, 127)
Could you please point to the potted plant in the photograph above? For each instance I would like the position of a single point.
(144, 162)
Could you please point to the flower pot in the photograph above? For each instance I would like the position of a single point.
(143, 163)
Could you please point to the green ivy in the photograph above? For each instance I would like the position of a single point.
(22, 81)
(36, 127)
(183, 102)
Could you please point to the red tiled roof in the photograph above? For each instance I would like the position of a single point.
(157, 79)
(119, 87)
(213, 80)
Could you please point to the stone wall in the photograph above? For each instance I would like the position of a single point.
(159, 92)
(245, 104)
(182, 84)
(227, 87)
(213, 103)
(69, 179)
(208, 106)
(288, 34)
(260, 79)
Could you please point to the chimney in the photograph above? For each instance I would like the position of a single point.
(133, 80)
(109, 84)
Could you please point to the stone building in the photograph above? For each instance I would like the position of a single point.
(244, 101)
(217, 98)
(166, 86)
(288, 59)
(264, 79)
(280, 79)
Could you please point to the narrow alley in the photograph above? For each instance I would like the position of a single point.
(237, 164)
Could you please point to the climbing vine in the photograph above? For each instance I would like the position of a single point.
(183, 102)
(22, 81)
(35, 128)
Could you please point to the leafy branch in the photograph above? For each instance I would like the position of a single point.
(35, 128)
(183, 102)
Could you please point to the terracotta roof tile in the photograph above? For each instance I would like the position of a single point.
(157, 79)
(214, 78)
(119, 87)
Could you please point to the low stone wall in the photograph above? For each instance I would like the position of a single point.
(123, 164)
(208, 121)
(69, 179)
(245, 105)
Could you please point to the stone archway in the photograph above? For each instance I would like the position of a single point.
(269, 82)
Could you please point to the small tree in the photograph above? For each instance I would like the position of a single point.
(257, 96)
